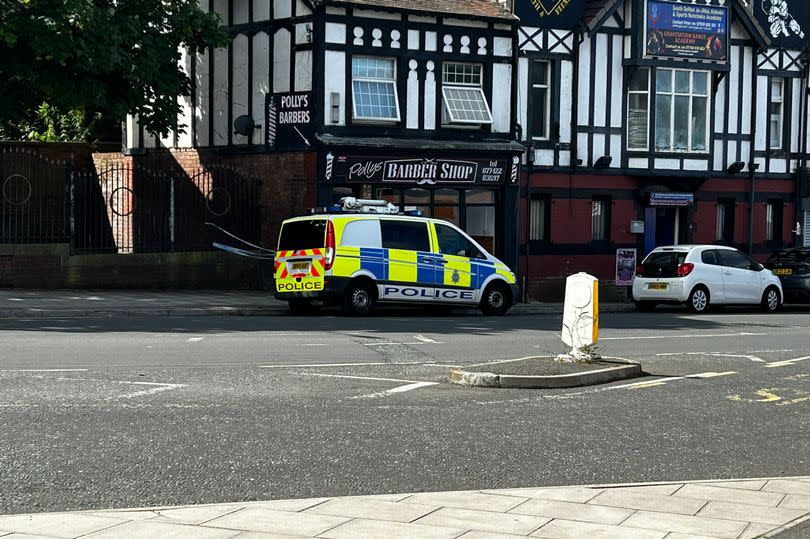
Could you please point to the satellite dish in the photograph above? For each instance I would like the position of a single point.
(244, 125)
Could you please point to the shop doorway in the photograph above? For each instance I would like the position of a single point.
(664, 225)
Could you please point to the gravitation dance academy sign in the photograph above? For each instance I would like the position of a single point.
(558, 14)
(686, 30)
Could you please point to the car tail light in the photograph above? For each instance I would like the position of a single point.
(685, 269)
(639, 270)
(329, 257)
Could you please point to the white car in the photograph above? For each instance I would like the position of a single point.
(704, 275)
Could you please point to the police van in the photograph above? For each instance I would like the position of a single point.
(364, 252)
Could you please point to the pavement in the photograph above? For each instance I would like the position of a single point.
(106, 303)
(736, 509)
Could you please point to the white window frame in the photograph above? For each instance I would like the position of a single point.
(547, 87)
(447, 114)
(780, 118)
(630, 93)
(673, 93)
(392, 82)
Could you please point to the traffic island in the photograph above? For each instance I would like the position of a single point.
(545, 373)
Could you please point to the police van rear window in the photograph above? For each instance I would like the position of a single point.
(300, 235)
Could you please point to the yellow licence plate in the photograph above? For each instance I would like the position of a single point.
(657, 286)
(782, 271)
(300, 266)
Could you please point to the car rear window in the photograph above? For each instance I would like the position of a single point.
(792, 256)
(662, 264)
(300, 235)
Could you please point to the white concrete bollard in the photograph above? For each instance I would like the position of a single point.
(580, 326)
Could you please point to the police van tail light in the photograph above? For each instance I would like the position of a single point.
(685, 269)
(329, 257)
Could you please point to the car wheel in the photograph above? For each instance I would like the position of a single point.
(300, 306)
(496, 300)
(359, 298)
(771, 300)
(698, 301)
(645, 306)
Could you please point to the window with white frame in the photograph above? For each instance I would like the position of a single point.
(681, 110)
(374, 89)
(540, 95)
(463, 94)
(776, 112)
(638, 110)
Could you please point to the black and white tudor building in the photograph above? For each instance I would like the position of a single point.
(647, 122)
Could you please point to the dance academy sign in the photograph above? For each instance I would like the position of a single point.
(686, 30)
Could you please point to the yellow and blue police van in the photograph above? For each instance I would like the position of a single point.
(364, 252)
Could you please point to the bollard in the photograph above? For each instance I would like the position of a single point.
(580, 326)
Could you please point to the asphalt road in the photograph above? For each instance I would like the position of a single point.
(161, 411)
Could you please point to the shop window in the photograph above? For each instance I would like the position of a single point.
(681, 110)
(463, 94)
(418, 199)
(540, 218)
(407, 235)
(600, 219)
(776, 113)
(540, 100)
(394, 196)
(725, 221)
(479, 196)
(481, 225)
(446, 205)
(774, 212)
(453, 243)
(638, 110)
(374, 89)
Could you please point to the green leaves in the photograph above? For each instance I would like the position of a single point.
(101, 57)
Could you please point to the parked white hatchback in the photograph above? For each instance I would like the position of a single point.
(704, 275)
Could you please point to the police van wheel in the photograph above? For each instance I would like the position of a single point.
(495, 300)
(359, 299)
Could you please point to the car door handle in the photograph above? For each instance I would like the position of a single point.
(727, 273)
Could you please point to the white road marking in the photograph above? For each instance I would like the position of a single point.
(400, 389)
(422, 338)
(350, 377)
(692, 336)
(195, 339)
(786, 362)
(314, 344)
(662, 381)
(318, 365)
(388, 343)
(156, 388)
(44, 370)
(713, 354)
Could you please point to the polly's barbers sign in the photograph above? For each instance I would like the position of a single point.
(418, 171)
(289, 120)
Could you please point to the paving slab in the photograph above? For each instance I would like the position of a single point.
(570, 529)
(750, 513)
(564, 494)
(483, 521)
(632, 499)
(467, 500)
(390, 530)
(149, 529)
(713, 527)
(267, 520)
(373, 509)
(573, 511)
(794, 501)
(57, 524)
(787, 486)
(720, 494)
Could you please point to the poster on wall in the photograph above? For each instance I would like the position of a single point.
(784, 21)
(289, 121)
(686, 30)
(557, 14)
(625, 266)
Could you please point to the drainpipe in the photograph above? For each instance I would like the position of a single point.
(752, 166)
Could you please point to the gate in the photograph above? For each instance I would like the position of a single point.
(124, 208)
(32, 198)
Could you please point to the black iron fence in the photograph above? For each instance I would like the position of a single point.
(32, 198)
(124, 208)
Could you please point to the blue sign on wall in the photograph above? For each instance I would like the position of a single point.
(671, 199)
(687, 30)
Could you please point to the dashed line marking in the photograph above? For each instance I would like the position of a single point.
(352, 377)
(196, 339)
(713, 354)
(44, 370)
(319, 365)
(400, 389)
(691, 336)
(157, 388)
(313, 344)
(422, 338)
(785, 363)
(663, 381)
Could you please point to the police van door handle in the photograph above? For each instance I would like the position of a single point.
(442, 261)
(428, 260)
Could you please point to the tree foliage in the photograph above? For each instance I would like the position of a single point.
(100, 57)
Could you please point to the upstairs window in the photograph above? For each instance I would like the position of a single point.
(540, 96)
(681, 110)
(776, 113)
(463, 94)
(374, 89)
(638, 110)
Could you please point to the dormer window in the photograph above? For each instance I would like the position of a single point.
(463, 95)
